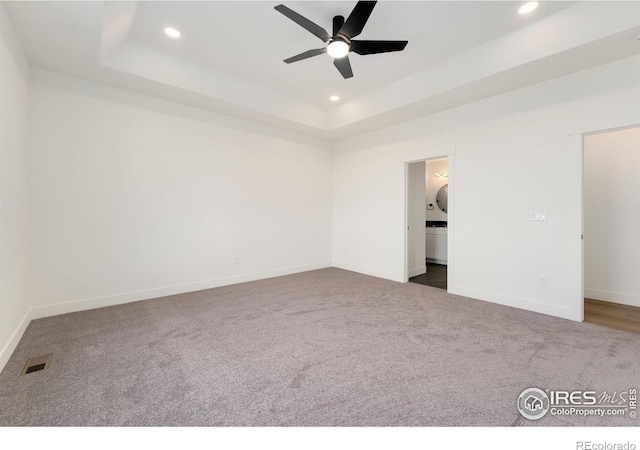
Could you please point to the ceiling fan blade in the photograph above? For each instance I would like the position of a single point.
(357, 19)
(371, 47)
(344, 66)
(303, 22)
(305, 55)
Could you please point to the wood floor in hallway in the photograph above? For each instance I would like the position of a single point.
(612, 315)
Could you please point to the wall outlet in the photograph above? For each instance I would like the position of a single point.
(542, 281)
(236, 260)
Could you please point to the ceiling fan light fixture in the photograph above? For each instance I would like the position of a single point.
(527, 7)
(338, 49)
(334, 98)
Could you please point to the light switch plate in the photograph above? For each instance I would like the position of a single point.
(538, 216)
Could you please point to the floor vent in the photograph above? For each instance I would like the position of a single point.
(37, 364)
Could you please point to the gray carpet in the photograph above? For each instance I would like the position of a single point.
(327, 347)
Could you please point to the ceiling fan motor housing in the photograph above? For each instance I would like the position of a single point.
(341, 38)
(338, 21)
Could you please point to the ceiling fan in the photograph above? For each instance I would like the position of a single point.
(342, 42)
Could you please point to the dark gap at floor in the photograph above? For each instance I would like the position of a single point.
(436, 276)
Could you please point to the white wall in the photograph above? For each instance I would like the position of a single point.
(135, 197)
(433, 185)
(612, 216)
(13, 189)
(416, 217)
(512, 154)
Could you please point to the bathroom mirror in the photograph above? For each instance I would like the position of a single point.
(442, 196)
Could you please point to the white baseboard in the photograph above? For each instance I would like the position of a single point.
(368, 271)
(417, 271)
(11, 345)
(128, 297)
(563, 312)
(613, 297)
(39, 312)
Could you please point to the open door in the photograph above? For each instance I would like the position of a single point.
(416, 218)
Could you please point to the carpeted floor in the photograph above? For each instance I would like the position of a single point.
(327, 347)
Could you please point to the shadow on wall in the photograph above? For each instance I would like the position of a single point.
(146, 102)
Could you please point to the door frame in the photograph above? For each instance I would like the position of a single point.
(426, 157)
(577, 144)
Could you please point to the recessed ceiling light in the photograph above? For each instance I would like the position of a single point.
(528, 7)
(172, 32)
(334, 98)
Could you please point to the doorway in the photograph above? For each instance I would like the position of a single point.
(611, 216)
(428, 219)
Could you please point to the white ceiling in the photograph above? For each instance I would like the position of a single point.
(250, 39)
(229, 57)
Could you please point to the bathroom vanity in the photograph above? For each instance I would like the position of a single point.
(436, 242)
